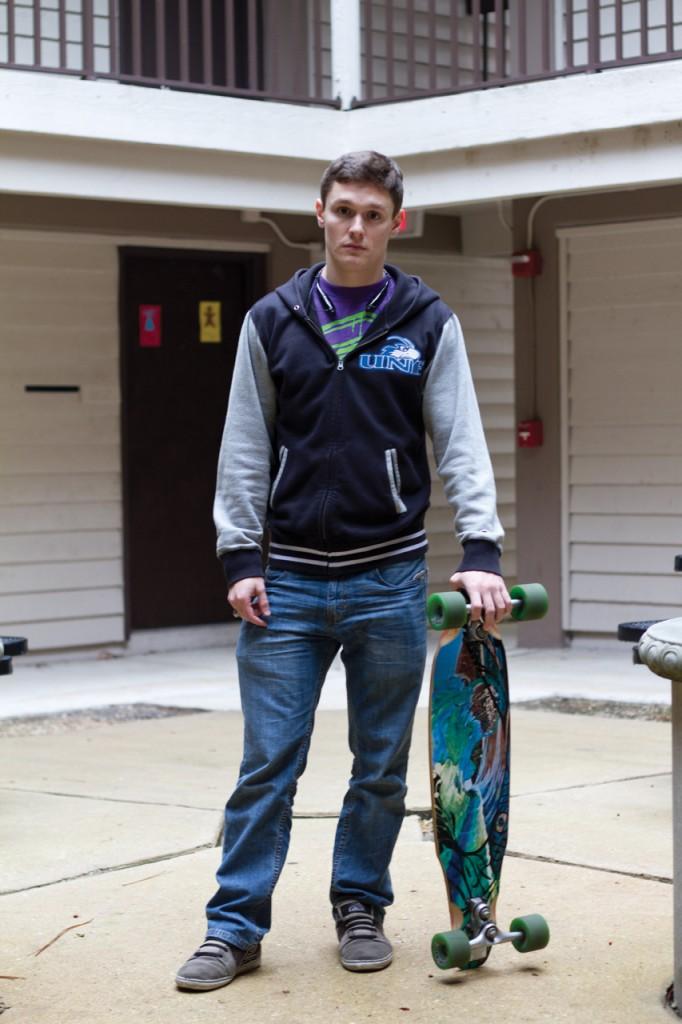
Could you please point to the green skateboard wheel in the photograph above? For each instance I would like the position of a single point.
(535, 933)
(447, 611)
(450, 949)
(534, 601)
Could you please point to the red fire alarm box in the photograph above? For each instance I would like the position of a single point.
(527, 264)
(529, 434)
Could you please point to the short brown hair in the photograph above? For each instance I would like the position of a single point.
(365, 166)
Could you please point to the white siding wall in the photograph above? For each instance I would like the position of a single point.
(622, 382)
(480, 292)
(61, 576)
(60, 482)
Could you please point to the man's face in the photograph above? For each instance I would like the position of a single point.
(358, 221)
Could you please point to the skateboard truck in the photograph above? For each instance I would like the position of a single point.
(451, 610)
(486, 931)
(470, 946)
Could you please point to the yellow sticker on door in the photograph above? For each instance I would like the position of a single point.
(209, 322)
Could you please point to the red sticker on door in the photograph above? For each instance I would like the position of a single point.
(150, 326)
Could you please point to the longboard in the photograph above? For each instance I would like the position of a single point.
(470, 757)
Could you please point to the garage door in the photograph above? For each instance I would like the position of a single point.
(621, 324)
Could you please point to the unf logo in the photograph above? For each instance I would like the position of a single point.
(399, 354)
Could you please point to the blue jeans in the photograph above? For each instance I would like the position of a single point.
(377, 619)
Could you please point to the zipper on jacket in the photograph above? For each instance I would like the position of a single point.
(311, 323)
(322, 517)
(340, 366)
(340, 362)
(283, 455)
(399, 505)
(333, 358)
(363, 344)
(394, 483)
(318, 334)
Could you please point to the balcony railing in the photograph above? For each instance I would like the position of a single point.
(281, 49)
(414, 48)
(262, 49)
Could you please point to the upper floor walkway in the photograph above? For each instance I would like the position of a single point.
(342, 53)
(240, 104)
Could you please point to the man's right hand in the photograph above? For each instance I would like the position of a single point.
(249, 600)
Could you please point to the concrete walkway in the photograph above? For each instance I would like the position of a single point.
(207, 678)
(109, 832)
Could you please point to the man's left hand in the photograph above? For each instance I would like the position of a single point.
(487, 593)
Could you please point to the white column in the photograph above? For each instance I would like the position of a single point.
(346, 69)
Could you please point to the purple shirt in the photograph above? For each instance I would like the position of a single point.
(345, 314)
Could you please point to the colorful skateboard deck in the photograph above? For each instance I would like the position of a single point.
(470, 757)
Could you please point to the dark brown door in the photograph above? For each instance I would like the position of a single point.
(175, 390)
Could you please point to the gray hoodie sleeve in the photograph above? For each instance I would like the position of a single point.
(244, 464)
(453, 421)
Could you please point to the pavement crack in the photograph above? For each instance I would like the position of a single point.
(539, 859)
(110, 799)
(160, 859)
(591, 785)
(315, 815)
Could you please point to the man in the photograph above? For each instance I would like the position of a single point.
(338, 374)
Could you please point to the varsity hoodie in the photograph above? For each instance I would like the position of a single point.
(330, 454)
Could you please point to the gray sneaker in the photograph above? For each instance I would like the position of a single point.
(216, 963)
(362, 943)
